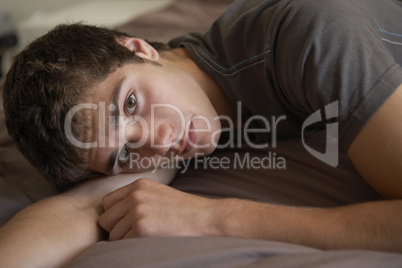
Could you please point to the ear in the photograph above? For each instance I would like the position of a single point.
(140, 47)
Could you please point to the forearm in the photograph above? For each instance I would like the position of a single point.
(53, 231)
(376, 225)
(48, 233)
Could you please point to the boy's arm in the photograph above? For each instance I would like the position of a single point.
(53, 231)
(377, 150)
(147, 208)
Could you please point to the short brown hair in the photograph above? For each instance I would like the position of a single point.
(49, 77)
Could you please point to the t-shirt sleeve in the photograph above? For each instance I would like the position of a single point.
(328, 51)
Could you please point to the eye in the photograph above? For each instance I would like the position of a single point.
(123, 156)
(131, 104)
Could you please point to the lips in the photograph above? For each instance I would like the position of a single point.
(190, 139)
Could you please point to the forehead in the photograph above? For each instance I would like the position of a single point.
(106, 87)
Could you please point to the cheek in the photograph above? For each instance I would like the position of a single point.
(142, 161)
(208, 132)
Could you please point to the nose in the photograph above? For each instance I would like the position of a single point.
(134, 134)
(147, 138)
(161, 138)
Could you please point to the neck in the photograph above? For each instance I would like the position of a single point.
(181, 59)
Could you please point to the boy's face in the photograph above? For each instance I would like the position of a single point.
(143, 114)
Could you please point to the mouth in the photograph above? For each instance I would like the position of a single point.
(189, 140)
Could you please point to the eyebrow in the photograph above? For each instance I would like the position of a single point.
(115, 113)
(116, 96)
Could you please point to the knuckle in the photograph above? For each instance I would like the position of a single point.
(140, 211)
(143, 182)
(138, 196)
(143, 225)
(144, 228)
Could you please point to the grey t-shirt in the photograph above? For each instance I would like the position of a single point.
(293, 57)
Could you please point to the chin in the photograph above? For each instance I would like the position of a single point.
(209, 150)
(201, 152)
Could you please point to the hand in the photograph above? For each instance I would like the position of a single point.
(148, 208)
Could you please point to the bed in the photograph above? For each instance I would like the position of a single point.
(306, 181)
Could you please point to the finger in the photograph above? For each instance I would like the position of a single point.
(128, 199)
(135, 223)
(132, 233)
(112, 198)
(120, 230)
(114, 214)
